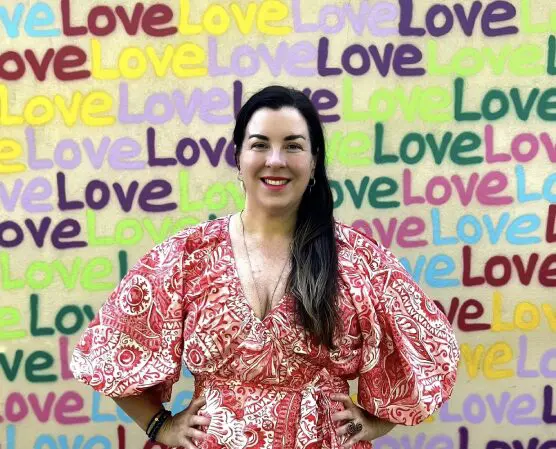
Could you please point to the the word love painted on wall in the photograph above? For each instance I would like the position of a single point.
(115, 133)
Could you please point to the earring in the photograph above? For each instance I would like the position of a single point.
(241, 183)
(312, 182)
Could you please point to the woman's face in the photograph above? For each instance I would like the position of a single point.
(276, 162)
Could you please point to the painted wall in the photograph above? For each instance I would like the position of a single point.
(115, 128)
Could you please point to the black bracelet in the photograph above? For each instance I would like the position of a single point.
(157, 421)
(158, 425)
(152, 421)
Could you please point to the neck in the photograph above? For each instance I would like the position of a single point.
(269, 226)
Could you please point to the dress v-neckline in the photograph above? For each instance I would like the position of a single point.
(241, 289)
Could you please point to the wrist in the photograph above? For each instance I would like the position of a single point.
(165, 431)
(156, 423)
(381, 426)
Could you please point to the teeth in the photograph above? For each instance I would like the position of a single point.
(275, 183)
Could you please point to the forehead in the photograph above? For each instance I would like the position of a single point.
(283, 121)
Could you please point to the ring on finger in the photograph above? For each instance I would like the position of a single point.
(354, 428)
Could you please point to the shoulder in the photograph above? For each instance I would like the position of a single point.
(349, 236)
(188, 241)
(358, 247)
(202, 236)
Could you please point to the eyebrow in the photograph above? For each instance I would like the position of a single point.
(290, 137)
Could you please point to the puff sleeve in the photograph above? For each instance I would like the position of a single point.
(409, 353)
(135, 340)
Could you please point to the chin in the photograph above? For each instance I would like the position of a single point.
(276, 207)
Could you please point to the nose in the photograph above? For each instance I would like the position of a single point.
(276, 158)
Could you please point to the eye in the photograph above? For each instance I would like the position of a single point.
(259, 145)
(294, 147)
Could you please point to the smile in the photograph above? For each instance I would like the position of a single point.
(275, 182)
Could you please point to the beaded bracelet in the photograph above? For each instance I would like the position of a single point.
(156, 423)
(151, 422)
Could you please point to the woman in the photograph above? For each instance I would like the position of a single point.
(273, 310)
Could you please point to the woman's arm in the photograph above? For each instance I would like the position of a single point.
(140, 408)
(177, 430)
(380, 426)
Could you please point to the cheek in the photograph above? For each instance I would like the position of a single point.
(302, 170)
(251, 166)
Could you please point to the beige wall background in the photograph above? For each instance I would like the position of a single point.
(452, 167)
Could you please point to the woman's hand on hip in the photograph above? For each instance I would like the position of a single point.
(366, 426)
(180, 429)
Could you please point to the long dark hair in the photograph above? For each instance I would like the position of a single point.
(314, 276)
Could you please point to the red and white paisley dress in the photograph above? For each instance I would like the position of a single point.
(267, 384)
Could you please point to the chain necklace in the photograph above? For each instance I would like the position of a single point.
(251, 269)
